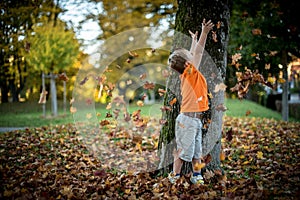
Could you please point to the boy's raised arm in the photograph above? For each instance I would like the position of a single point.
(197, 47)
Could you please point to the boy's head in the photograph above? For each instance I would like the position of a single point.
(178, 59)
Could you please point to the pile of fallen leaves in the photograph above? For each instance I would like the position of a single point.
(260, 158)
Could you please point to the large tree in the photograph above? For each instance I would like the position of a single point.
(189, 16)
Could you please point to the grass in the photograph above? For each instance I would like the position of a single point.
(238, 108)
(29, 114)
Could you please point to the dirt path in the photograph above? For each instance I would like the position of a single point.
(8, 129)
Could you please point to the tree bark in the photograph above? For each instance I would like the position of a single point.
(189, 16)
(53, 95)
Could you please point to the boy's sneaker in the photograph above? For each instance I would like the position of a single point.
(198, 179)
(173, 177)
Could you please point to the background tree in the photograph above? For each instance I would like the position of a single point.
(266, 34)
(189, 16)
(16, 18)
(52, 50)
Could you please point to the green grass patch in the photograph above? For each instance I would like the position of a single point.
(246, 108)
(29, 114)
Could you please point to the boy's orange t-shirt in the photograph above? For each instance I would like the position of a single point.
(193, 91)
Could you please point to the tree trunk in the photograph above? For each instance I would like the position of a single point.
(189, 16)
(43, 89)
(285, 88)
(13, 90)
(65, 97)
(53, 94)
(4, 91)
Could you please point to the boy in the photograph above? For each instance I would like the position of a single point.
(194, 101)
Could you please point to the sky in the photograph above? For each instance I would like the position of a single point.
(89, 30)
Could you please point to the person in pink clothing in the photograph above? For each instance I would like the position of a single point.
(188, 127)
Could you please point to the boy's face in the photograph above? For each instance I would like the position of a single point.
(177, 60)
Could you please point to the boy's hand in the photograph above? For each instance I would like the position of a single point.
(207, 26)
(194, 35)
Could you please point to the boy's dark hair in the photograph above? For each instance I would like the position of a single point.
(178, 58)
(177, 63)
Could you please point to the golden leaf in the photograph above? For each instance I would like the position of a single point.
(222, 156)
(260, 155)
(199, 166)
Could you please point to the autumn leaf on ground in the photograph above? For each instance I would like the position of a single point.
(47, 162)
(260, 155)
(222, 156)
(228, 135)
(101, 173)
(104, 122)
(220, 87)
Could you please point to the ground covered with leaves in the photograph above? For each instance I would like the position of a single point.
(260, 158)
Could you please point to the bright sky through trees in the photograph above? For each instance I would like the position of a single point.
(89, 30)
